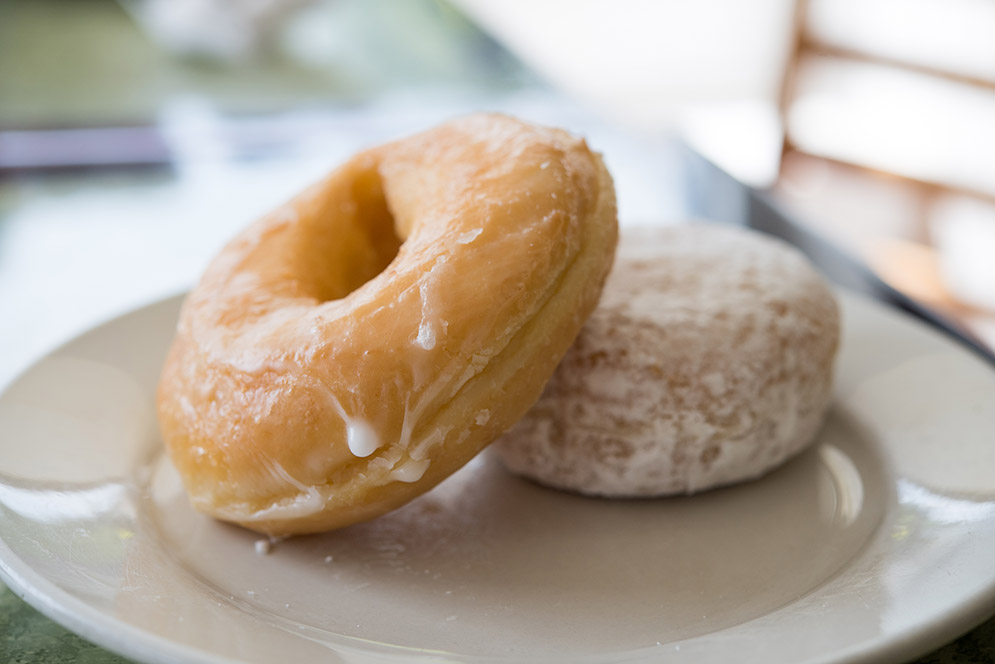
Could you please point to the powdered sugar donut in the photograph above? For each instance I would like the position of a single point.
(708, 361)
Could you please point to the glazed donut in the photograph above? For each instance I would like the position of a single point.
(709, 361)
(356, 346)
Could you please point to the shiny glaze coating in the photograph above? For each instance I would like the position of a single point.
(356, 346)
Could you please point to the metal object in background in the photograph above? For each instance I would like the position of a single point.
(713, 194)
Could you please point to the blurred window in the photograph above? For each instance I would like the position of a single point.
(889, 110)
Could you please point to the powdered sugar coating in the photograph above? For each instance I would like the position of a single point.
(708, 361)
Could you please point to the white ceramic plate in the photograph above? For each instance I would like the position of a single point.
(877, 544)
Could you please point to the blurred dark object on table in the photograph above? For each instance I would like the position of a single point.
(715, 195)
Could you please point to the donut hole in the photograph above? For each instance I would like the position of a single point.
(350, 240)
